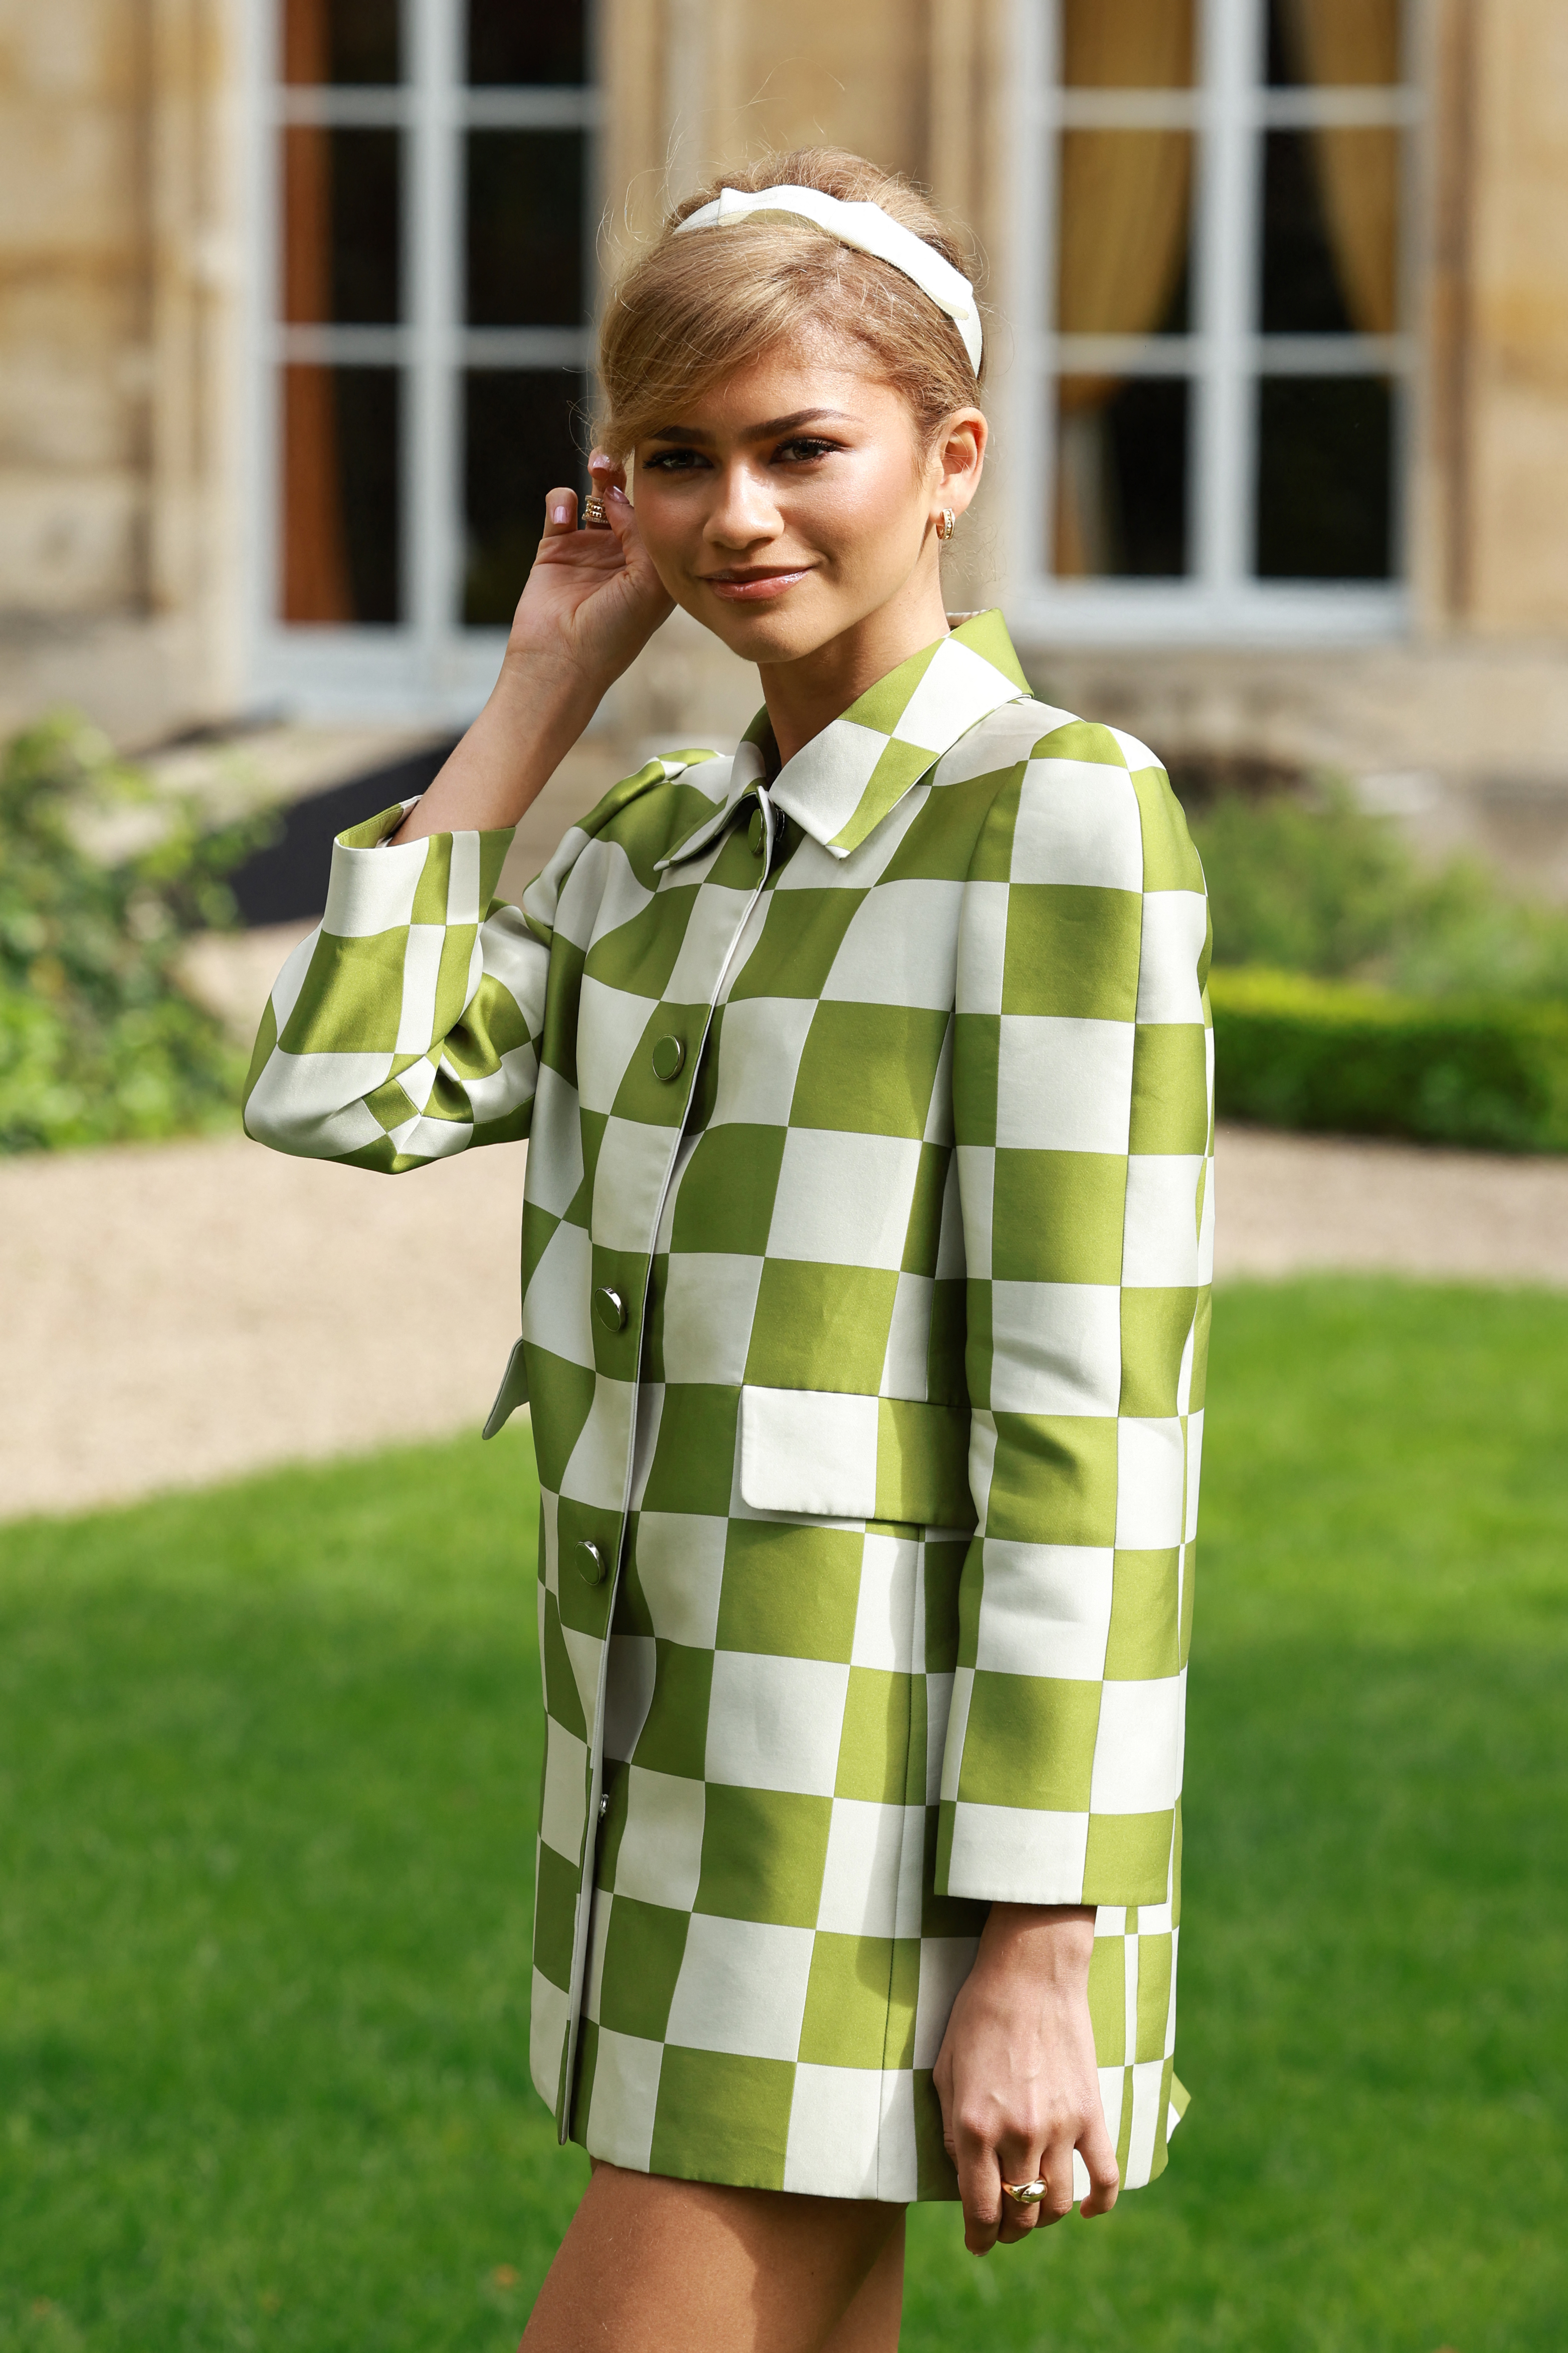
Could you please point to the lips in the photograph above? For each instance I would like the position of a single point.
(752, 587)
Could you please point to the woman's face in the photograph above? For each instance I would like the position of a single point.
(789, 502)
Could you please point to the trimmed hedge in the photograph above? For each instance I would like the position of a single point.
(1293, 1051)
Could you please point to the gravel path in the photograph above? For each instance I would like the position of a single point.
(1284, 1203)
(176, 1314)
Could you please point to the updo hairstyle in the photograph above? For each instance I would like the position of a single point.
(694, 309)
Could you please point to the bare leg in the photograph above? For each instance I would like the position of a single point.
(652, 2265)
(871, 2323)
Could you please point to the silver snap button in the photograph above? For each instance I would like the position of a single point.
(668, 1057)
(610, 1308)
(590, 1562)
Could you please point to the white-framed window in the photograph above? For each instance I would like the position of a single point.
(1211, 391)
(422, 184)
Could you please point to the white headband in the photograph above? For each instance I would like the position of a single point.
(869, 229)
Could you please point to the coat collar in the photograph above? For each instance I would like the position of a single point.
(846, 780)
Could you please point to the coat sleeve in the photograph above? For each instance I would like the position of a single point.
(407, 1026)
(1083, 1122)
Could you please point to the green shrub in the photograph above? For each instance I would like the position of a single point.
(1319, 885)
(99, 1041)
(1466, 938)
(1305, 888)
(1295, 1052)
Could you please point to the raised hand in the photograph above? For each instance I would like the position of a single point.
(590, 603)
(592, 600)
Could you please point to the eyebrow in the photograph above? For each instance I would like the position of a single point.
(775, 424)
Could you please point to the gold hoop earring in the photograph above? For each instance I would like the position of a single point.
(946, 524)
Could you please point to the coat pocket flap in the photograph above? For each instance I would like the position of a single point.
(836, 1455)
(512, 1392)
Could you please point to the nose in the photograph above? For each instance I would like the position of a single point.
(743, 512)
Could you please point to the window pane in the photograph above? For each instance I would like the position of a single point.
(1123, 255)
(1121, 478)
(527, 45)
(1331, 202)
(342, 41)
(1127, 44)
(517, 445)
(340, 494)
(342, 214)
(1325, 475)
(525, 228)
(1333, 44)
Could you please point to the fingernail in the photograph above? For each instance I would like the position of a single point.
(615, 493)
(598, 460)
(558, 514)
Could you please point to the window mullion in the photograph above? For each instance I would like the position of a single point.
(1032, 394)
(1227, 238)
(433, 247)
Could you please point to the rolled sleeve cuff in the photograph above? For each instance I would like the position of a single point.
(1024, 1854)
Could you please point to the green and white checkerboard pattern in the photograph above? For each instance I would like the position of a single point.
(867, 1245)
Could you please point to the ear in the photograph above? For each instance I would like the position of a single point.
(960, 458)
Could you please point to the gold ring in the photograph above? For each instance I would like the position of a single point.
(1026, 2194)
(593, 509)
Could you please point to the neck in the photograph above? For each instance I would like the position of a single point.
(807, 695)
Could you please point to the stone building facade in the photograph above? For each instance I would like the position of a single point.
(194, 348)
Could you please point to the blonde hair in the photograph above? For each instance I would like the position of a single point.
(694, 309)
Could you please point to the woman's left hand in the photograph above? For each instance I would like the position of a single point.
(1017, 2074)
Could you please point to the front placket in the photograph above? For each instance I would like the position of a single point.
(712, 937)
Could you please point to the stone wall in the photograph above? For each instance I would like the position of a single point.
(116, 376)
(1513, 561)
(73, 309)
(122, 572)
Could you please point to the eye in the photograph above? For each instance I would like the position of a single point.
(805, 447)
(674, 461)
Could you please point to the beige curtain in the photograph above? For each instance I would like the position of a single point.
(1124, 214)
(1124, 217)
(1127, 44)
(1340, 44)
(315, 558)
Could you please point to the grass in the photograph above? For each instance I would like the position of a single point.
(266, 1765)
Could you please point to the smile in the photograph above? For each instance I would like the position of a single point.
(752, 587)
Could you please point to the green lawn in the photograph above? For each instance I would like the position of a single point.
(266, 1765)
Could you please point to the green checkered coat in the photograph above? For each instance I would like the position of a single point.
(866, 1253)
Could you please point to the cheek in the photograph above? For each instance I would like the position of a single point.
(655, 512)
(666, 527)
(876, 505)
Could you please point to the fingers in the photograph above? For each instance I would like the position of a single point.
(1055, 2171)
(609, 482)
(1054, 2166)
(980, 2188)
(560, 513)
(992, 2218)
(1022, 2160)
(561, 517)
(610, 488)
(1099, 2158)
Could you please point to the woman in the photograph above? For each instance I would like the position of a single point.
(865, 1254)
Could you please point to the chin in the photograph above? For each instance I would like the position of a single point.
(781, 635)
